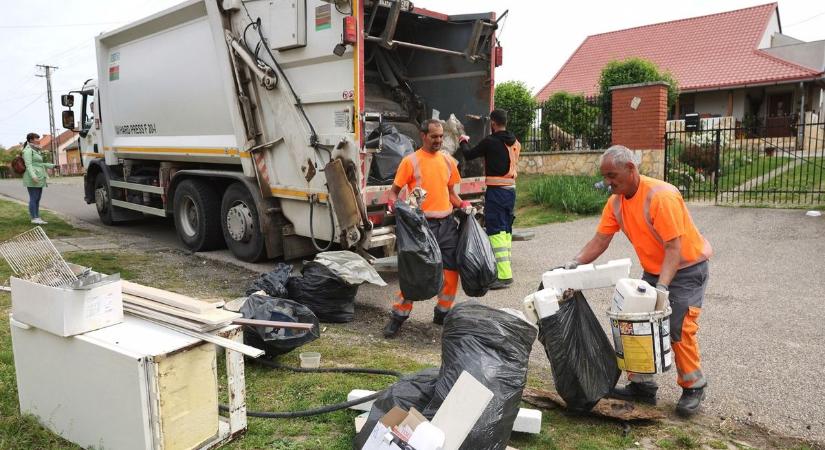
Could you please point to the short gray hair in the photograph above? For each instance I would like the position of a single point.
(425, 125)
(619, 155)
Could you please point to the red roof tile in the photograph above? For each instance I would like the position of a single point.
(704, 52)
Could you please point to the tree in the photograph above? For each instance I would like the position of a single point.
(636, 70)
(515, 97)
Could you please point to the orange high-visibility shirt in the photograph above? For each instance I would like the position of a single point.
(654, 215)
(436, 173)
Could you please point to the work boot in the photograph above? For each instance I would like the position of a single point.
(438, 316)
(636, 392)
(392, 327)
(501, 284)
(689, 401)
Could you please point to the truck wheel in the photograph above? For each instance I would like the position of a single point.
(239, 221)
(196, 215)
(103, 199)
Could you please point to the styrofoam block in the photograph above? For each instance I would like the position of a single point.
(546, 302)
(461, 408)
(587, 276)
(355, 394)
(360, 420)
(529, 308)
(528, 421)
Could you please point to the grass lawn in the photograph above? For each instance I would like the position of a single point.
(16, 220)
(803, 185)
(535, 208)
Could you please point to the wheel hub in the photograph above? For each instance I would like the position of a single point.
(189, 216)
(101, 199)
(239, 222)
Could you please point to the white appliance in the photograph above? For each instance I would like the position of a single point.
(134, 385)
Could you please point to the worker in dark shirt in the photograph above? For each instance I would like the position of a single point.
(500, 151)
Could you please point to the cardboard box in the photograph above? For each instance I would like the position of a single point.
(398, 428)
(66, 312)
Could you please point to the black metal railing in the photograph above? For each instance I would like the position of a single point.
(567, 122)
(758, 166)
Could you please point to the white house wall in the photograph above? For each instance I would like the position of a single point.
(715, 102)
(773, 27)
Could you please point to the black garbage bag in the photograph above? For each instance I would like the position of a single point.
(494, 347)
(475, 258)
(277, 341)
(273, 283)
(394, 147)
(412, 391)
(328, 296)
(419, 257)
(582, 358)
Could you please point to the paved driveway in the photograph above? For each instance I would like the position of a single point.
(761, 327)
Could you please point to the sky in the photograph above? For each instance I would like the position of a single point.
(537, 35)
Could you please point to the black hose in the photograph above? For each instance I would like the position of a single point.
(369, 371)
(312, 227)
(321, 409)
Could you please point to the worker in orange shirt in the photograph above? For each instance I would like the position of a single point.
(437, 173)
(674, 256)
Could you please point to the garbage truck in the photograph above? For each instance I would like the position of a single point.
(256, 124)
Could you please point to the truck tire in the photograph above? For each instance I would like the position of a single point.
(239, 221)
(196, 215)
(103, 199)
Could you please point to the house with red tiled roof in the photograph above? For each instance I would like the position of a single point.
(67, 151)
(736, 63)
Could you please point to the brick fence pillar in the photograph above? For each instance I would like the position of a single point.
(639, 115)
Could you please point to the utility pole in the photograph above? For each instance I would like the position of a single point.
(52, 143)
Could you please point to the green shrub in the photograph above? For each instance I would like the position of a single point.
(573, 194)
(635, 70)
(515, 97)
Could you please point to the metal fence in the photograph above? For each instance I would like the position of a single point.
(567, 122)
(757, 166)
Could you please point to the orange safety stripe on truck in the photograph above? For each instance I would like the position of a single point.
(298, 194)
(199, 151)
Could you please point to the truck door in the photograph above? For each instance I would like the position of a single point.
(89, 128)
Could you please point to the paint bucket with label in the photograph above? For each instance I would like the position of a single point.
(642, 341)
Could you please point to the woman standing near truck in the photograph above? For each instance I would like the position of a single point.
(34, 178)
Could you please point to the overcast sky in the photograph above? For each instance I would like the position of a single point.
(538, 36)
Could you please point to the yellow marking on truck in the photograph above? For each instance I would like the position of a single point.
(96, 155)
(297, 194)
(199, 151)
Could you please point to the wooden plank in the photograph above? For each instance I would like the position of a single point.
(217, 340)
(236, 382)
(167, 298)
(274, 324)
(213, 317)
(161, 317)
(606, 407)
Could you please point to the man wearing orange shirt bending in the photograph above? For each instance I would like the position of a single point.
(674, 256)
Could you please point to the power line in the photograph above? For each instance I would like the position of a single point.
(805, 20)
(22, 109)
(5, 100)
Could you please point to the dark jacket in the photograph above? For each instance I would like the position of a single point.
(494, 151)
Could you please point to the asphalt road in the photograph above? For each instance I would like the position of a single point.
(761, 326)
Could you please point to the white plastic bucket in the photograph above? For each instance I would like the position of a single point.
(310, 360)
(642, 341)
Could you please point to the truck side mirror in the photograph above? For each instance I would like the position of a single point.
(67, 100)
(68, 119)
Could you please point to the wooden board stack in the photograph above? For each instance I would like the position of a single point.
(175, 309)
